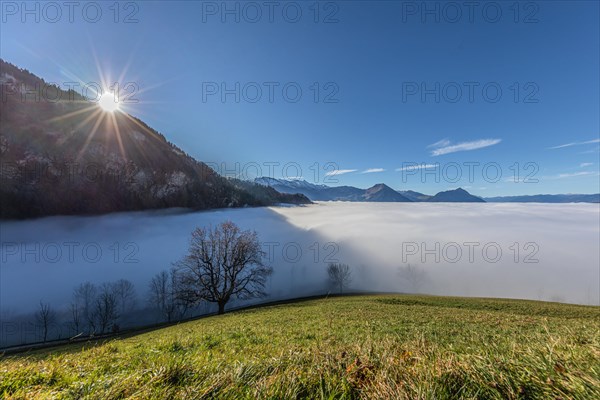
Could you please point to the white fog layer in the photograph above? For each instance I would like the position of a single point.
(533, 251)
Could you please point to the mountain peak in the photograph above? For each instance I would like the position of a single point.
(458, 195)
(379, 186)
(383, 193)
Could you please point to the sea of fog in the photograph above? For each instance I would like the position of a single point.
(532, 251)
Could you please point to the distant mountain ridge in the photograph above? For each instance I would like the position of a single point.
(547, 198)
(414, 196)
(69, 157)
(377, 193)
(455, 196)
(312, 191)
(382, 192)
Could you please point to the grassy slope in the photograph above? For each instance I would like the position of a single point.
(345, 347)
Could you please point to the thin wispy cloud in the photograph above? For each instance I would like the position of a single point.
(372, 170)
(340, 172)
(586, 164)
(441, 143)
(417, 167)
(562, 146)
(575, 174)
(448, 148)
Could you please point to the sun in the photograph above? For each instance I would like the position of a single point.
(108, 102)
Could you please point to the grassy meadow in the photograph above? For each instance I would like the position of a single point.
(350, 347)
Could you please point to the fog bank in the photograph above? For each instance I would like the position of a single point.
(535, 251)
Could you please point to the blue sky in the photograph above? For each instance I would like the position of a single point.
(387, 92)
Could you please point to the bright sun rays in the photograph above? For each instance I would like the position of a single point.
(108, 102)
(105, 106)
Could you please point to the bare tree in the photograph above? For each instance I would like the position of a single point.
(413, 278)
(45, 317)
(159, 293)
(126, 295)
(106, 308)
(164, 295)
(84, 296)
(75, 318)
(340, 275)
(221, 264)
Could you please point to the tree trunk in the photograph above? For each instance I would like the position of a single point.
(221, 307)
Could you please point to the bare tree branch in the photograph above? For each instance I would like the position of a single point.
(166, 295)
(45, 317)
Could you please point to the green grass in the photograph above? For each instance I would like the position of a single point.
(388, 346)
